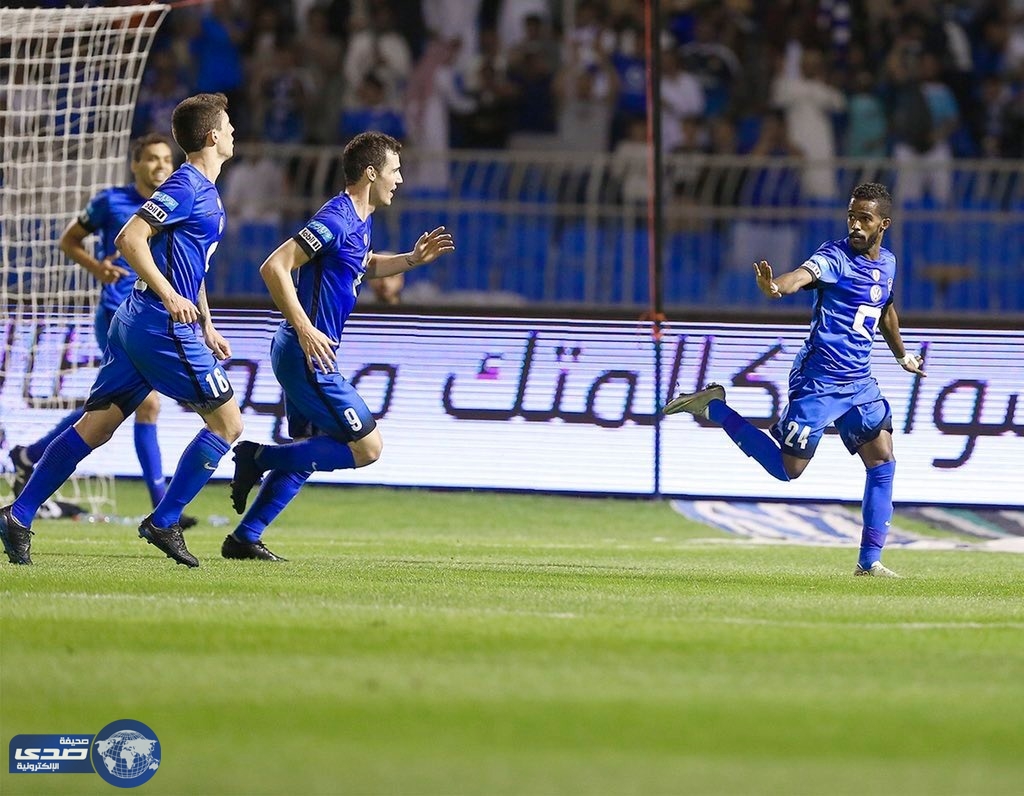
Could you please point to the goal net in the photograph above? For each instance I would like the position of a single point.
(69, 81)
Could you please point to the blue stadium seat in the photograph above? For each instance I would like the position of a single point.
(235, 267)
(526, 241)
(382, 234)
(631, 251)
(690, 266)
(571, 260)
(480, 180)
(737, 288)
(480, 254)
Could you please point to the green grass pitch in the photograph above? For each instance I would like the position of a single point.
(470, 643)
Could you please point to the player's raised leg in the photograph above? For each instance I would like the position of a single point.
(319, 453)
(710, 404)
(334, 427)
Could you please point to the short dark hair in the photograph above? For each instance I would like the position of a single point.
(139, 144)
(365, 150)
(194, 117)
(877, 193)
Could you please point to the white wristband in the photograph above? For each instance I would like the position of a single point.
(906, 359)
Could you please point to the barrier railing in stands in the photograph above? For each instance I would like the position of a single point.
(570, 229)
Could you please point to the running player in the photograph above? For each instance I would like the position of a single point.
(104, 215)
(830, 381)
(154, 342)
(332, 425)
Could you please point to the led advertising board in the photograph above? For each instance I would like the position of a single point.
(570, 405)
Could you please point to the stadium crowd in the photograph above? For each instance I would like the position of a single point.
(911, 79)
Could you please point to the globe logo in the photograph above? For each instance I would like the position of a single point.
(126, 753)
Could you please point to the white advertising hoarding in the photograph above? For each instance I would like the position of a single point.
(570, 406)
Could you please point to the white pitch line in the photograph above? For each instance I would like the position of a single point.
(562, 615)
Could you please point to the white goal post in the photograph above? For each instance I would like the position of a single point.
(69, 82)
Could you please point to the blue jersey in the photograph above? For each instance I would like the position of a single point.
(105, 214)
(852, 292)
(189, 218)
(337, 242)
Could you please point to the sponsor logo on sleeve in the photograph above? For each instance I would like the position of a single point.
(154, 210)
(321, 231)
(311, 240)
(165, 200)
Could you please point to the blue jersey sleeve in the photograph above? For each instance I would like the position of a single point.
(321, 233)
(95, 214)
(825, 264)
(170, 205)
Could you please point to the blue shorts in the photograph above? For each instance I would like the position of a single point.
(101, 325)
(857, 409)
(143, 354)
(314, 402)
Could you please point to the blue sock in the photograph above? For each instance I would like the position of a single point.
(279, 487)
(316, 453)
(877, 511)
(147, 447)
(56, 465)
(34, 452)
(749, 439)
(196, 466)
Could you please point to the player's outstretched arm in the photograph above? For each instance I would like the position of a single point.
(889, 325)
(428, 248)
(777, 287)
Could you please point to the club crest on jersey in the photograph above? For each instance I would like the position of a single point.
(165, 200)
(321, 231)
(876, 274)
(366, 238)
(876, 293)
(154, 210)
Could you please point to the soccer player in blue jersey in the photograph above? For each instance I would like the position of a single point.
(154, 339)
(104, 215)
(332, 426)
(830, 381)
